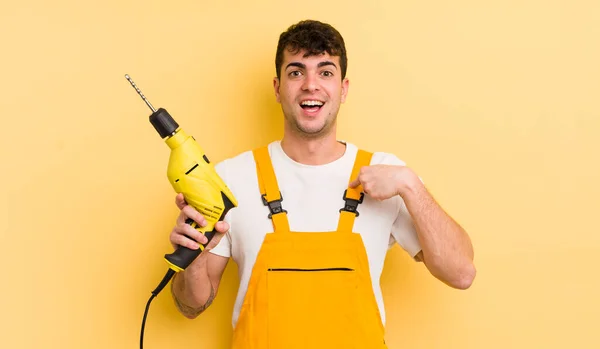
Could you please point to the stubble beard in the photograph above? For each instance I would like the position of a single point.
(309, 133)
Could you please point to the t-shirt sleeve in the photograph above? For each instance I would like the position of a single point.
(403, 229)
(223, 248)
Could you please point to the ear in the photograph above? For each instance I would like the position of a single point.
(276, 88)
(345, 86)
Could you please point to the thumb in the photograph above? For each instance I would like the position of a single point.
(222, 227)
(354, 183)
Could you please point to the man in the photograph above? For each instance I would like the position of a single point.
(315, 219)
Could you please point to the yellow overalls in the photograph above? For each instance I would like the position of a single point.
(309, 290)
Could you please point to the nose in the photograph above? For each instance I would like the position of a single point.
(310, 83)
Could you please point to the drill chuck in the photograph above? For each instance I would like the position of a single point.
(163, 123)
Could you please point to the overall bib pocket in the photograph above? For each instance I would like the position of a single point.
(321, 303)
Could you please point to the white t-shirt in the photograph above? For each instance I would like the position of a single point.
(312, 195)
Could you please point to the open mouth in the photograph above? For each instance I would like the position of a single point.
(312, 106)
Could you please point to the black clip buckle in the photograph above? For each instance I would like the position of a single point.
(352, 204)
(274, 206)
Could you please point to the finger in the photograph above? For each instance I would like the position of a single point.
(191, 232)
(354, 183)
(195, 234)
(185, 214)
(179, 239)
(222, 227)
(180, 201)
(191, 212)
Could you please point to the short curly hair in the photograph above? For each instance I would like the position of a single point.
(315, 38)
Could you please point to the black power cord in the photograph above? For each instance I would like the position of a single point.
(156, 291)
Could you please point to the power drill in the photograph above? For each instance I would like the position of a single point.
(191, 173)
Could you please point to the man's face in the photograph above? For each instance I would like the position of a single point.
(310, 91)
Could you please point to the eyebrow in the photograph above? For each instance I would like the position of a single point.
(303, 66)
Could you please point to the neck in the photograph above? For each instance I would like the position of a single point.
(312, 151)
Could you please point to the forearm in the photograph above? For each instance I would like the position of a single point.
(446, 248)
(192, 290)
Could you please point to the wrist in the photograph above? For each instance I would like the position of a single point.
(409, 183)
(198, 265)
(195, 277)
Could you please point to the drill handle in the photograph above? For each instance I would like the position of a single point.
(183, 256)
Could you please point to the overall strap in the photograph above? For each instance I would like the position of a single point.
(269, 190)
(353, 196)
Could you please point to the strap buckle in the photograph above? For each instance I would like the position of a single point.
(274, 206)
(352, 204)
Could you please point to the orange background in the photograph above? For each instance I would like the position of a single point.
(493, 103)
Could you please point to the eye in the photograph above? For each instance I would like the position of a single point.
(294, 73)
(327, 73)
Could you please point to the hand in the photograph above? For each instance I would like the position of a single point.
(182, 232)
(382, 182)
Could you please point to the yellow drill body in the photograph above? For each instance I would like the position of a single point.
(190, 172)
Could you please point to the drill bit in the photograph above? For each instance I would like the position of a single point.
(140, 93)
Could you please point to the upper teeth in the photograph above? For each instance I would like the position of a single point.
(312, 103)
